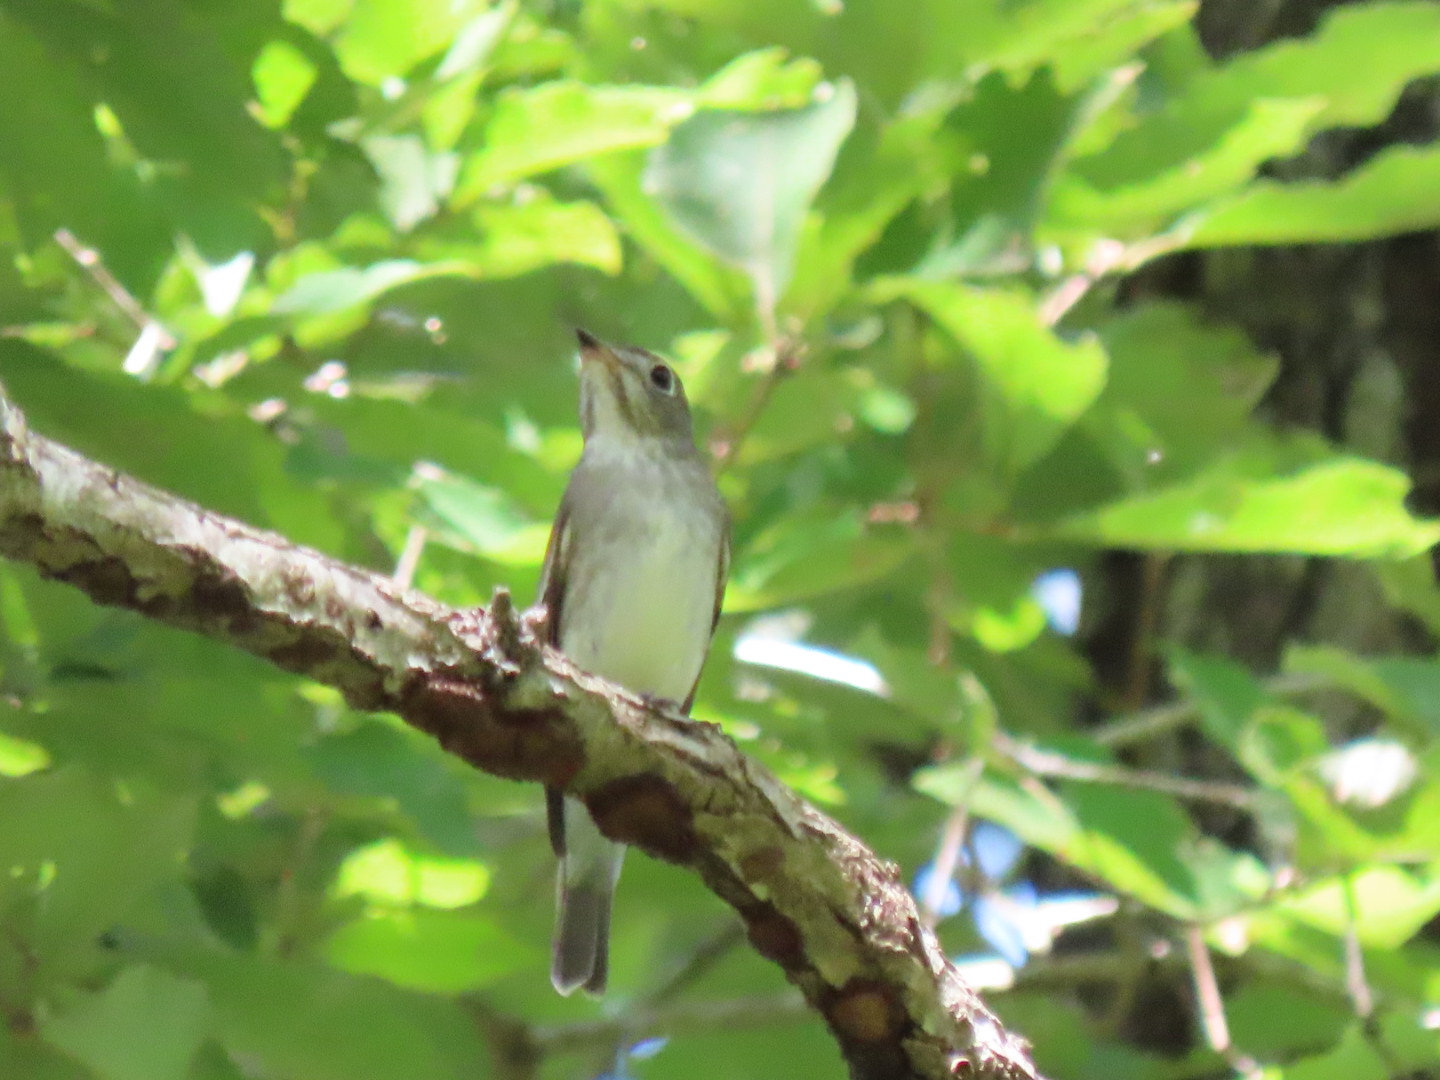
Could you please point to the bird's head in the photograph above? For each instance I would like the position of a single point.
(628, 395)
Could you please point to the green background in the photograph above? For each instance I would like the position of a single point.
(929, 272)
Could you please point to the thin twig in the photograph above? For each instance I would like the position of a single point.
(1057, 766)
(1356, 984)
(1162, 719)
(1107, 256)
(88, 259)
(409, 560)
(947, 856)
(1207, 990)
(788, 356)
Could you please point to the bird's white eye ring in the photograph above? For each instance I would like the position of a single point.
(662, 378)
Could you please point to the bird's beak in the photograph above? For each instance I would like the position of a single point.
(592, 349)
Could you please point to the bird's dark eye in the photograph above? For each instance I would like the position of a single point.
(662, 378)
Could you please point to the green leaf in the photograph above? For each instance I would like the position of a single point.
(1264, 103)
(380, 39)
(377, 761)
(765, 79)
(1035, 384)
(386, 873)
(740, 183)
(441, 951)
(1268, 497)
(332, 291)
(803, 411)
(533, 231)
(1406, 688)
(1361, 1054)
(876, 176)
(1022, 36)
(179, 92)
(283, 76)
(539, 129)
(1178, 387)
(303, 1020)
(998, 184)
(414, 181)
(1393, 192)
(55, 172)
(1138, 842)
(1102, 49)
(719, 289)
(80, 855)
(146, 1025)
(810, 554)
(1156, 188)
(992, 598)
(1226, 692)
(100, 412)
(537, 232)
(20, 757)
(35, 1059)
(1384, 905)
(482, 519)
(1358, 62)
(1309, 1021)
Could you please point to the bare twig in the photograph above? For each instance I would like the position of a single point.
(947, 856)
(1362, 999)
(785, 361)
(89, 260)
(1162, 719)
(1048, 763)
(1207, 990)
(409, 560)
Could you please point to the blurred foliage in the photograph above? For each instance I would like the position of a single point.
(316, 263)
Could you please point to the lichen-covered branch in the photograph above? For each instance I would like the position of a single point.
(813, 898)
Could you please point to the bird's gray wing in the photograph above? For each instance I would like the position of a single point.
(722, 574)
(552, 596)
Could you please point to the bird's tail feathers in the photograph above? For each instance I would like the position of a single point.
(581, 958)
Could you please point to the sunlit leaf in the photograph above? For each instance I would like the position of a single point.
(421, 949)
(538, 129)
(1349, 72)
(381, 40)
(1265, 499)
(1392, 193)
(740, 183)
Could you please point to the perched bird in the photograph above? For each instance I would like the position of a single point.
(633, 578)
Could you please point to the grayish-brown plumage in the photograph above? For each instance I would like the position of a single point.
(633, 579)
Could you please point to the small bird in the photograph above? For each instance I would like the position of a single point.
(633, 579)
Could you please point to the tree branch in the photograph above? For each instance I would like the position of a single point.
(814, 899)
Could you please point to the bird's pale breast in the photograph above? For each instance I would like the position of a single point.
(640, 593)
